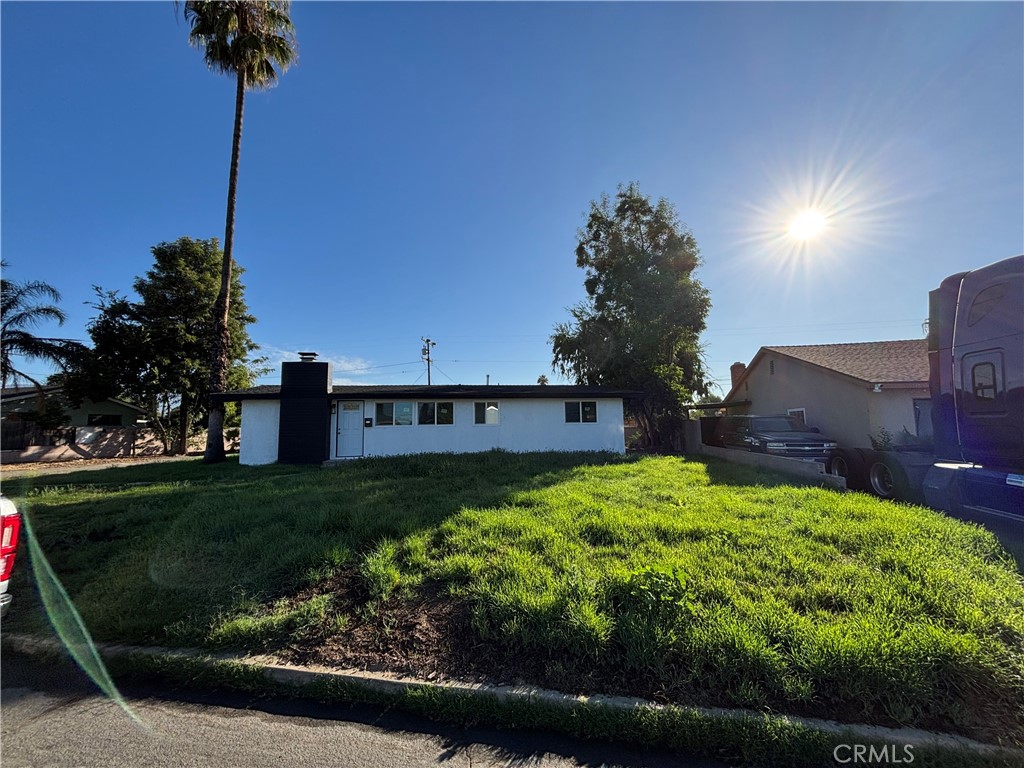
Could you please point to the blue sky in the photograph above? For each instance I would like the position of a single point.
(424, 168)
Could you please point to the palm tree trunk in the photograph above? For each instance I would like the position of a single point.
(221, 352)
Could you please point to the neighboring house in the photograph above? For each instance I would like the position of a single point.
(90, 425)
(849, 391)
(307, 420)
(18, 401)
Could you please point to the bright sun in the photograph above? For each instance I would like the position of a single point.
(808, 224)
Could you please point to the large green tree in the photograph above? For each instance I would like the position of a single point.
(24, 306)
(154, 351)
(253, 40)
(639, 326)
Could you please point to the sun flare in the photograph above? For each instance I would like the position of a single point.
(808, 224)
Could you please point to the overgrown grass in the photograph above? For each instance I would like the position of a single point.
(695, 580)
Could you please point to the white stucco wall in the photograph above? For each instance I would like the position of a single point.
(893, 409)
(260, 424)
(525, 425)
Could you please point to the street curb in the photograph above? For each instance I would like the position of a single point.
(298, 678)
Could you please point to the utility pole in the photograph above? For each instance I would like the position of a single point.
(425, 353)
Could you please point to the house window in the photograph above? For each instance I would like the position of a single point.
(584, 411)
(800, 414)
(436, 413)
(394, 414)
(485, 413)
(104, 420)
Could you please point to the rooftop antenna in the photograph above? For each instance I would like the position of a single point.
(425, 353)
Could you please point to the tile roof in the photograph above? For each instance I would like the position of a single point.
(872, 361)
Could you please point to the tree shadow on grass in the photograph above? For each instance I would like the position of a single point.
(723, 472)
(154, 553)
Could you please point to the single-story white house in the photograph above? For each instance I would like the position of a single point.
(851, 392)
(307, 420)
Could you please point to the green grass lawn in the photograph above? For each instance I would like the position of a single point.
(692, 581)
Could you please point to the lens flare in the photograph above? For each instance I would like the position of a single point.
(806, 216)
(808, 224)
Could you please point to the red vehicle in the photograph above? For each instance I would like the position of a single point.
(11, 522)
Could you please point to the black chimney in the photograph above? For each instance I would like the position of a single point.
(304, 428)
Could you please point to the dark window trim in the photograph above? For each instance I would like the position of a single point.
(435, 422)
(394, 411)
(104, 420)
(480, 408)
(577, 408)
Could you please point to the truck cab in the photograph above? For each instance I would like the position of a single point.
(976, 365)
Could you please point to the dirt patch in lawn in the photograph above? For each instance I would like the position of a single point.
(429, 635)
(422, 636)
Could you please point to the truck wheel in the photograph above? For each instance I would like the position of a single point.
(838, 466)
(846, 465)
(887, 479)
(881, 481)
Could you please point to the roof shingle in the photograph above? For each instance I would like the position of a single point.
(876, 362)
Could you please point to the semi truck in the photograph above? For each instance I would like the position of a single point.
(974, 468)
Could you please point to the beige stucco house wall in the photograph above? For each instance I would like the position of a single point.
(843, 407)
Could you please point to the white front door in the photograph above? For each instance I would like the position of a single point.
(348, 438)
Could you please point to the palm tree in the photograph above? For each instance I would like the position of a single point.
(252, 40)
(20, 311)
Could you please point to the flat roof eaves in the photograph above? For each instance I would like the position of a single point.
(441, 392)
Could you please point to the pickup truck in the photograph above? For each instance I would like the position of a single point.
(11, 527)
(774, 435)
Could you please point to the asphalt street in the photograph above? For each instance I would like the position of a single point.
(51, 715)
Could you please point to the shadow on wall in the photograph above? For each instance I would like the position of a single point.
(90, 443)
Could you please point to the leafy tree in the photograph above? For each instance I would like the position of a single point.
(252, 40)
(639, 326)
(50, 416)
(24, 306)
(542, 380)
(154, 351)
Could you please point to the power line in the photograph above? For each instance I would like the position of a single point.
(814, 325)
(373, 367)
(453, 381)
(496, 361)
